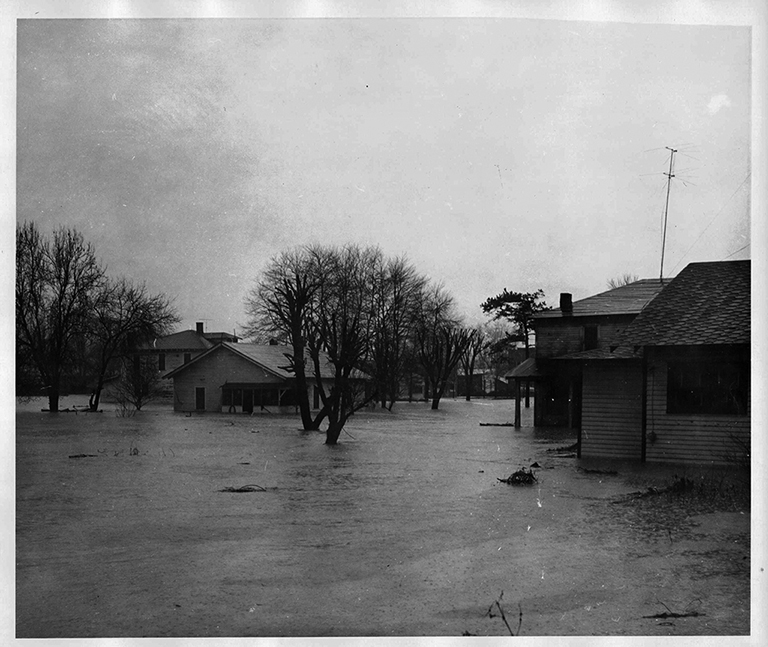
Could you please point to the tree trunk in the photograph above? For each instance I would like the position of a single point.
(53, 399)
(93, 401)
(333, 432)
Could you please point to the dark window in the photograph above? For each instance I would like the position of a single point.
(187, 357)
(200, 398)
(161, 361)
(226, 397)
(710, 387)
(590, 336)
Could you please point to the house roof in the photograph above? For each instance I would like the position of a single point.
(706, 303)
(271, 358)
(220, 336)
(624, 300)
(184, 340)
(620, 352)
(528, 369)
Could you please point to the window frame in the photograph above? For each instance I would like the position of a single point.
(712, 387)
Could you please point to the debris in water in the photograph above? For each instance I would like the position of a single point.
(82, 456)
(244, 488)
(521, 477)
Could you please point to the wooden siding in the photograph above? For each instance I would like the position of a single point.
(211, 373)
(611, 418)
(686, 438)
(563, 336)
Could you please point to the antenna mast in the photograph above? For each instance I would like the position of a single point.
(669, 175)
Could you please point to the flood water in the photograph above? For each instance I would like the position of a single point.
(401, 529)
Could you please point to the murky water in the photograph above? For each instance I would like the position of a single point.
(383, 534)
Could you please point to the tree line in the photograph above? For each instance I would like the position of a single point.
(366, 320)
(75, 325)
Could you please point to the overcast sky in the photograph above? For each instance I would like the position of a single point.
(494, 153)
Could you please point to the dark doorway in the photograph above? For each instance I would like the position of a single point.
(200, 398)
(247, 401)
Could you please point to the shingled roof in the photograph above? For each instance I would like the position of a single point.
(627, 299)
(271, 358)
(707, 303)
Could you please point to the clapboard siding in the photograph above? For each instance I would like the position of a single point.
(553, 341)
(611, 419)
(561, 337)
(681, 438)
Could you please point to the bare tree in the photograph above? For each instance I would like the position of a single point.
(397, 298)
(476, 344)
(56, 281)
(440, 339)
(280, 306)
(344, 322)
(624, 279)
(139, 382)
(124, 316)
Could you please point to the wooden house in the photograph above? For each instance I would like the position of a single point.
(176, 349)
(589, 325)
(240, 378)
(677, 386)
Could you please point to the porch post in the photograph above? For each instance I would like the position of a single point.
(517, 404)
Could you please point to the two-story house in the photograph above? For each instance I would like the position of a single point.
(587, 325)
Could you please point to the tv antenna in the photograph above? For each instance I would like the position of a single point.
(669, 175)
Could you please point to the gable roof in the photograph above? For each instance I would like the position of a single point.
(625, 300)
(271, 358)
(707, 303)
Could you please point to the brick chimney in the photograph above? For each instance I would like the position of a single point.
(199, 327)
(566, 303)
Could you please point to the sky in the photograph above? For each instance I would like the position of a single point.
(494, 152)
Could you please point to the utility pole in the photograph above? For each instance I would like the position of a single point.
(669, 175)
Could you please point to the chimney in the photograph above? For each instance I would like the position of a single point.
(566, 303)
(199, 327)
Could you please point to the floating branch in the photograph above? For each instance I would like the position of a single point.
(497, 603)
(671, 614)
(244, 488)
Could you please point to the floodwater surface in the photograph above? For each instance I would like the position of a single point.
(403, 528)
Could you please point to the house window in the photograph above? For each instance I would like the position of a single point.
(187, 357)
(590, 336)
(161, 362)
(713, 387)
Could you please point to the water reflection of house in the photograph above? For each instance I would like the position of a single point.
(585, 325)
(240, 378)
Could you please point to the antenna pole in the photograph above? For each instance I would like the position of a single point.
(669, 175)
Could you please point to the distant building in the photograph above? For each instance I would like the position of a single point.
(245, 378)
(178, 348)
